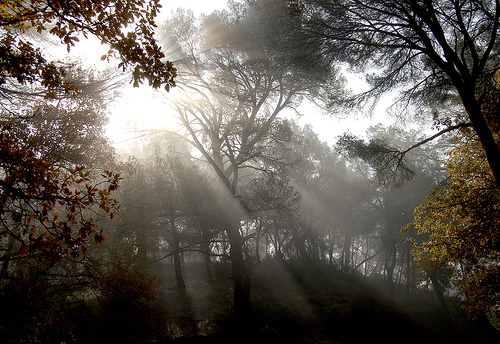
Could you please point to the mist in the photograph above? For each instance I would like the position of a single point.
(222, 217)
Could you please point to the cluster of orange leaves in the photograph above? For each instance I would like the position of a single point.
(461, 221)
(126, 26)
(48, 210)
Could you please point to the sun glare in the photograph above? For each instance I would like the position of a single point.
(142, 109)
(137, 112)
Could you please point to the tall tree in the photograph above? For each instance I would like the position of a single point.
(234, 93)
(68, 130)
(52, 123)
(334, 197)
(43, 207)
(395, 195)
(41, 151)
(433, 50)
(459, 224)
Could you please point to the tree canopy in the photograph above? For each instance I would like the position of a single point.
(53, 118)
(461, 220)
(241, 199)
(434, 52)
(127, 27)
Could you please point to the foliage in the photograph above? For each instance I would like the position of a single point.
(126, 26)
(53, 118)
(163, 193)
(50, 207)
(66, 131)
(234, 93)
(130, 309)
(461, 219)
(425, 47)
(34, 310)
(101, 304)
(45, 210)
(431, 52)
(277, 26)
(388, 163)
(48, 199)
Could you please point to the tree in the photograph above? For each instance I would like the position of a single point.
(459, 223)
(49, 197)
(69, 130)
(234, 93)
(44, 208)
(395, 193)
(182, 202)
(434, 51)
(126, 26)
(46, 194)
(273, 206)
(52, 123)
(168, 207)
(334, 197)
(49, 214)
(37, 177)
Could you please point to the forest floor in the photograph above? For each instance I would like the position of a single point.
(297, 303)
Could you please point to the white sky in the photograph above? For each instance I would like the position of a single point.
(137, 108)
(198, 6)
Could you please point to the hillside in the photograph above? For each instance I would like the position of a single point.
(304, 302)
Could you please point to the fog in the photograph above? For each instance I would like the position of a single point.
(238, 205)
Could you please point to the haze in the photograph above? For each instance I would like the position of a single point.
(264, 171)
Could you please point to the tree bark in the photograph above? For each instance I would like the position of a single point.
(299, 242)
(346, 253)
(440, 295)
(390, 265)
(208, 270)
(205, 249)
(484, 134)
(6, 259)
(241, 276)
(330, 248)
(258, 231)
(177, 258)
(241, 280)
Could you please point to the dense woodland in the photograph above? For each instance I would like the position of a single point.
(236, 223)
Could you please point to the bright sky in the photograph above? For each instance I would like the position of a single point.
(198, 6)
(138, 109)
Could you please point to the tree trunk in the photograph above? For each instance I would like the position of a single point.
(208, 270)
(6, 259)
(205, 249)
(299, 242)
(330, 248)
(440, 295)
(346, 254)
(390, 265)
(241, 277)
(410, 271)
(483, 132)
(178, 271)
(177, 258)
(257, 242)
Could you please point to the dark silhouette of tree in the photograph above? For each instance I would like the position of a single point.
(332, 198)
(70, 130)
(52, 122)
(234, 93)
(394, 194)
(432, 51)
